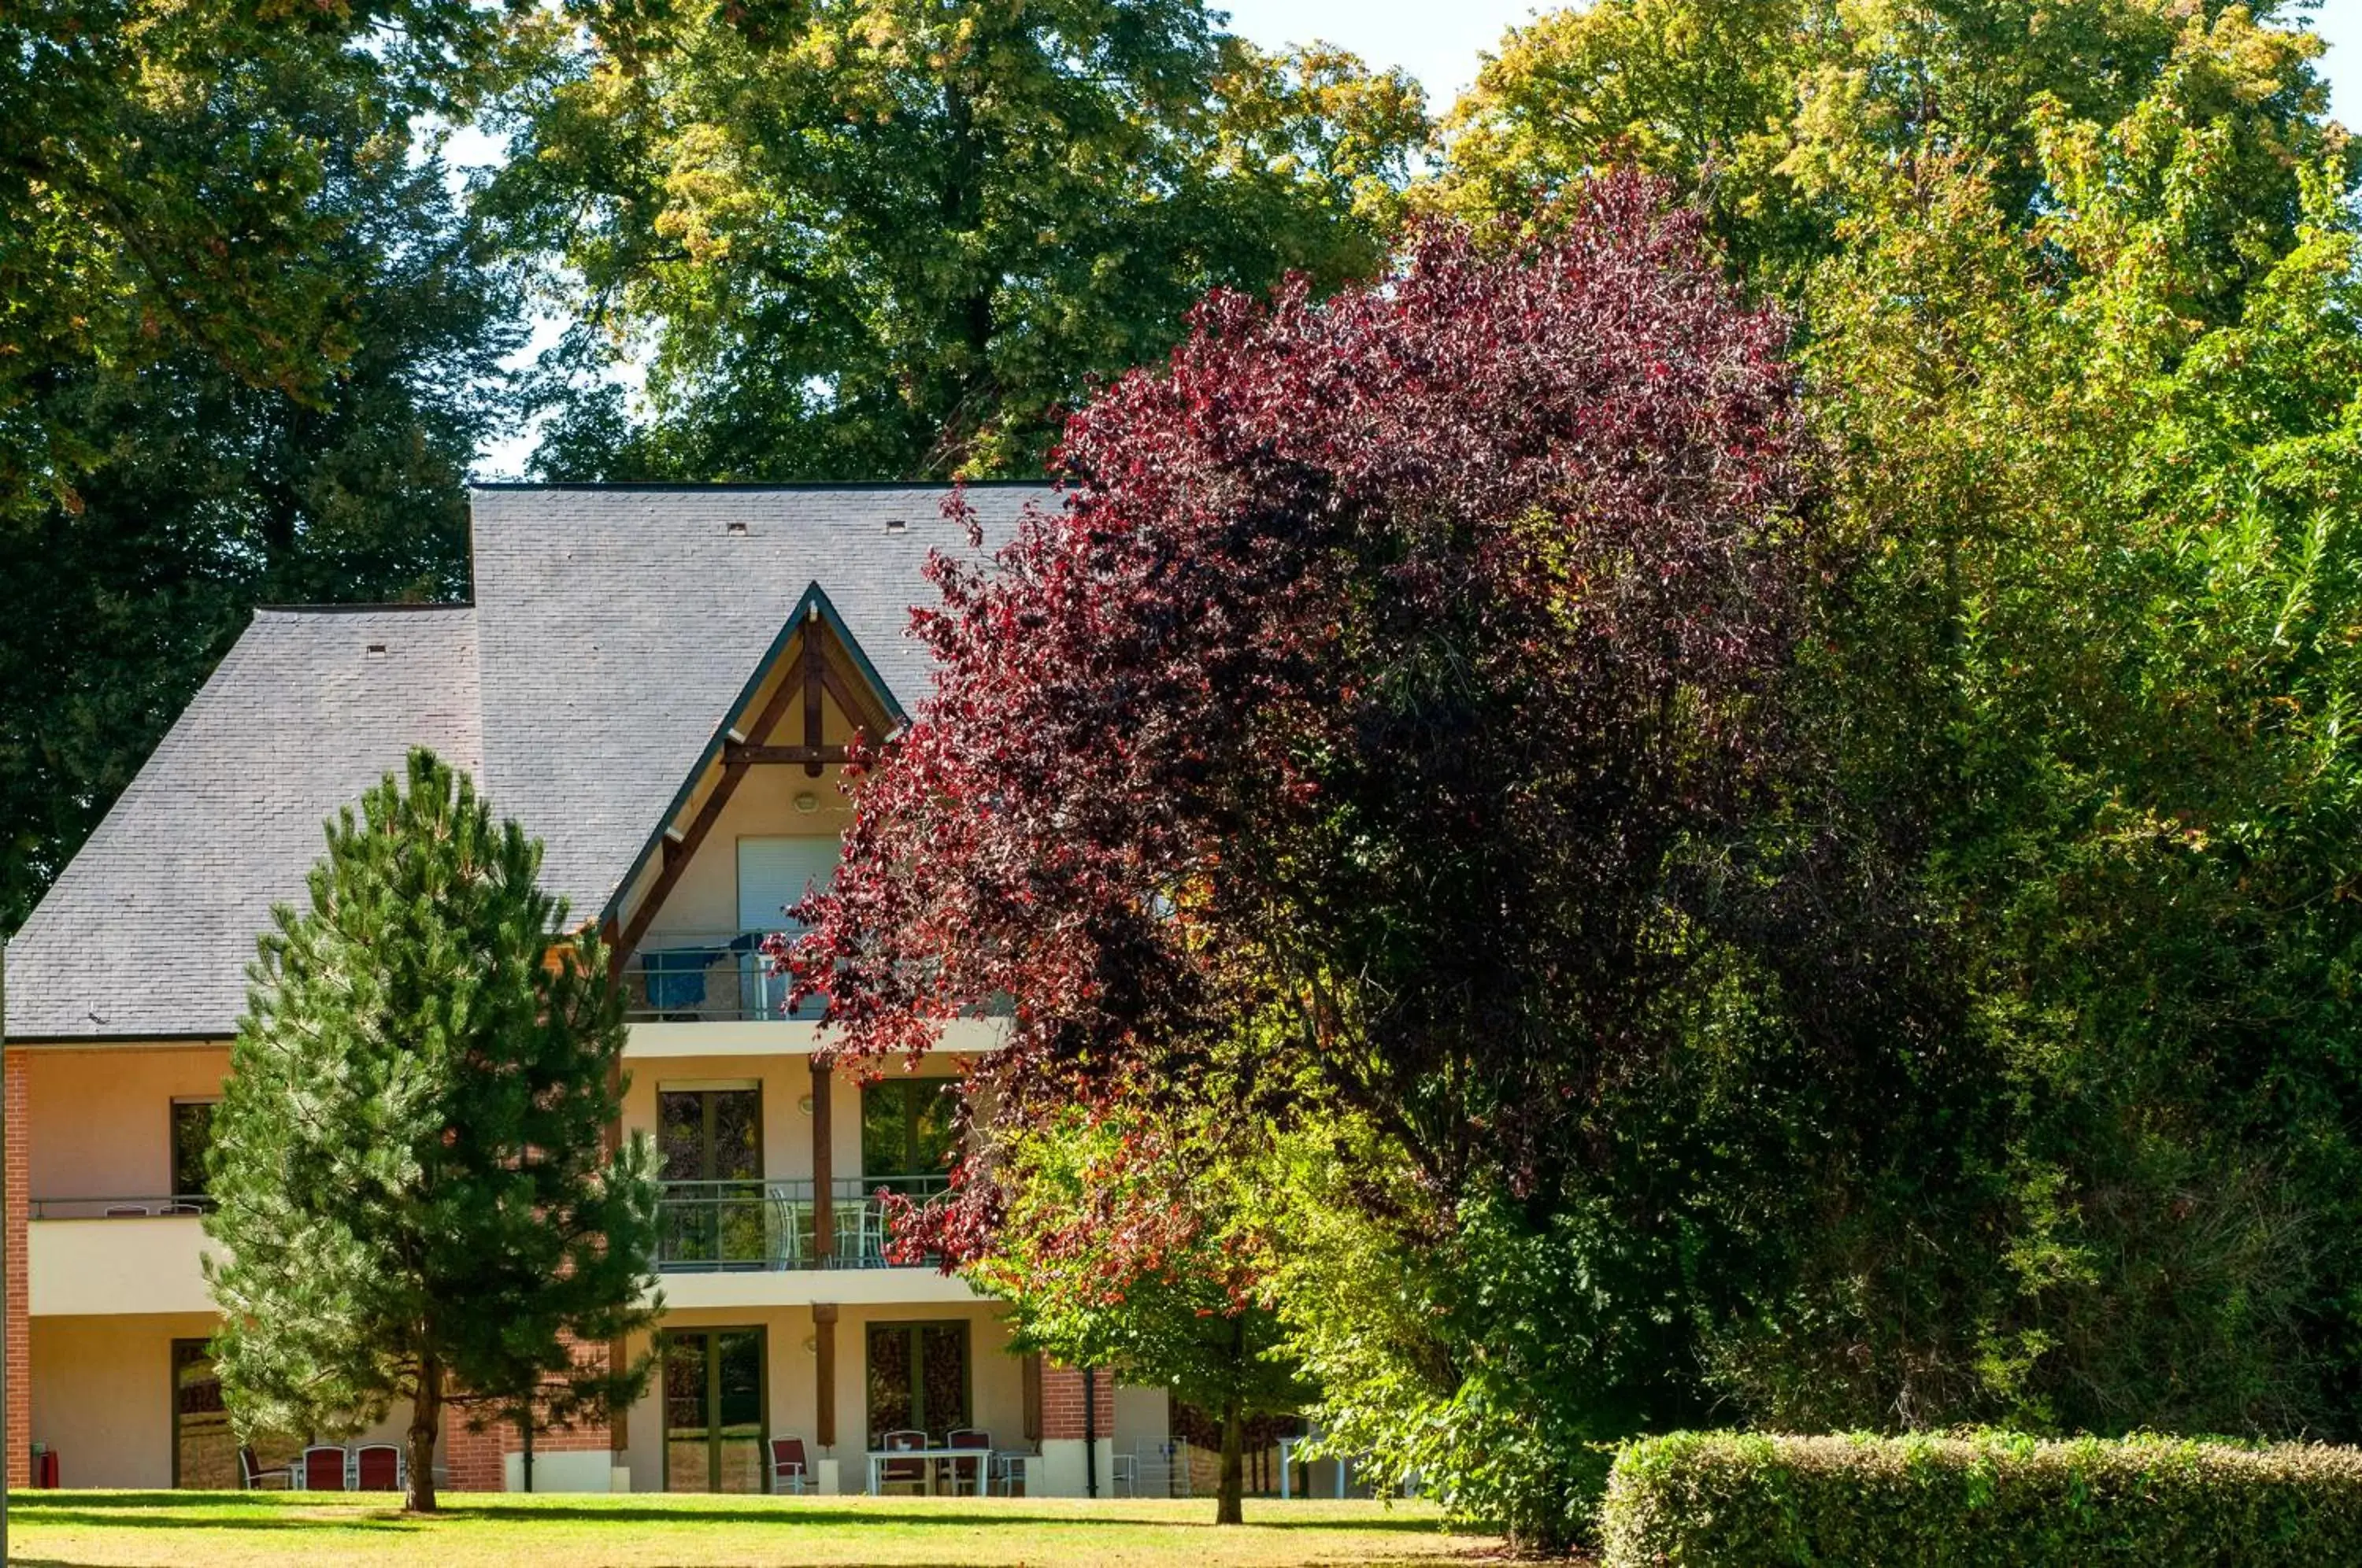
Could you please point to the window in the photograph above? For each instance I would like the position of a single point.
(716, 1423)
(918, 1379)
(205, 1449)
(192, 1135)
(710, 1144)
(907, 1136)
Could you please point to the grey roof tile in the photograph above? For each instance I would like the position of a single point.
(149, 930)
(612, 629)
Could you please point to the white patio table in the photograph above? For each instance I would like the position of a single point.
(878, 1456)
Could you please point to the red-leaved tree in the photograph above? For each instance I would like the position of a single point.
(1351, 721)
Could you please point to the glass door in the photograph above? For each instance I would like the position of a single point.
(709, 1144)
(918, 1379)
(716, 1425)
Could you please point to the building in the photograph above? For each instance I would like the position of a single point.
(659, 682)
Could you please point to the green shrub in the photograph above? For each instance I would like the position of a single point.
(1703, 1499)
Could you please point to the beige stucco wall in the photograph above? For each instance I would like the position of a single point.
(997, 1386)
(102, 1119)
(102, 1396)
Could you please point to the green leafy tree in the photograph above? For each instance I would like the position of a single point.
(181, 488)
(2050, 1089)
(880, 238)
(415, 1187)
(156, 199)
(1111, 1257)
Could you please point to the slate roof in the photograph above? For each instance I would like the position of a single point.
(149, 930)
(614, 629)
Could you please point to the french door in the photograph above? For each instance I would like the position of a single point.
(709, 1142)
(918, 1379)
(716, 1419)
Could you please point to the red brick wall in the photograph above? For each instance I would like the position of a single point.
(1061, 1402)
(478, 1459)
(19, 1130)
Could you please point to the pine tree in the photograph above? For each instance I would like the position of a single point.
(416, 1190)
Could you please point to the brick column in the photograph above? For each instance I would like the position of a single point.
(478, 1461)
(20, 1436)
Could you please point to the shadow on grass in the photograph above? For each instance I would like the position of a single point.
(277, 1513)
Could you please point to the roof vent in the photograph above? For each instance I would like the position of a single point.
(734, 527)
(895, 525)
(376, 650)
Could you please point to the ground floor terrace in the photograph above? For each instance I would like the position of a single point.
(131, 1400)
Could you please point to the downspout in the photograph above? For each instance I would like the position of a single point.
(1090, 1431)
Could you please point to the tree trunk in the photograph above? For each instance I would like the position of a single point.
(1230, 1495)
(425, 1418)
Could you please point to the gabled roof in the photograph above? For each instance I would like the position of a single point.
(614, 630)
(150, 929)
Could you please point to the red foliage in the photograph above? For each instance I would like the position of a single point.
(1386, 652)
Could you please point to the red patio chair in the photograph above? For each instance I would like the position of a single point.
(377, 1467)
(255, 1478)
(324, 1468)
(789, 1473)
(904, 1472)
(969, 1471)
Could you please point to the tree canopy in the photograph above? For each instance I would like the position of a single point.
(874, 238)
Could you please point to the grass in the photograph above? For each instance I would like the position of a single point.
(119, 1530)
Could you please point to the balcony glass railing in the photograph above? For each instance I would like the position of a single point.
(678, 977)
(718, 977)
(756, 1226)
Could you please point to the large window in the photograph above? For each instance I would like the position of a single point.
(192, 1135)
(906, 1133)
(716, 1423)
(205, 1451)
(918, 1379)
(710, 1144)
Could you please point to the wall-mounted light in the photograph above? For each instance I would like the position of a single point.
(804, 1105)
(806, 801)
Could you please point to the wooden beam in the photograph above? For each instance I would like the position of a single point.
(815, 682)
(809, 755)
(823, 1136)
(677, 861)
(824, 1373)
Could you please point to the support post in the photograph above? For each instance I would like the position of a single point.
(824, 1373)
(1091, 1431)
(823, 1162)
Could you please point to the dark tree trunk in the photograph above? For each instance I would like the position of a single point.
(426, 1417)
(1231, 1495)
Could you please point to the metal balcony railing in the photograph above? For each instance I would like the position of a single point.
(714, 1227)
(721, 977)
(147, 1207)
(706, 976)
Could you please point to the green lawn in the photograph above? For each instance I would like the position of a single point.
(116, 1530)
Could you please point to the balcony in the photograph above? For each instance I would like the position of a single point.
(95, 1256)
(707, 977)
(756, 1227)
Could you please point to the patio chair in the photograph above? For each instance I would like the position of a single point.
(969, 1471)
(378, 1467)
(1125, 1480)
(255, 1478)
(1009, 1470)
(322, 1467)
(790, 1472)
(904, 1472)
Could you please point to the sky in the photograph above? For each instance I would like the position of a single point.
(1442, 42)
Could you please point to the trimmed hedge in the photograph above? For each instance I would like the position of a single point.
(1712, 1500)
